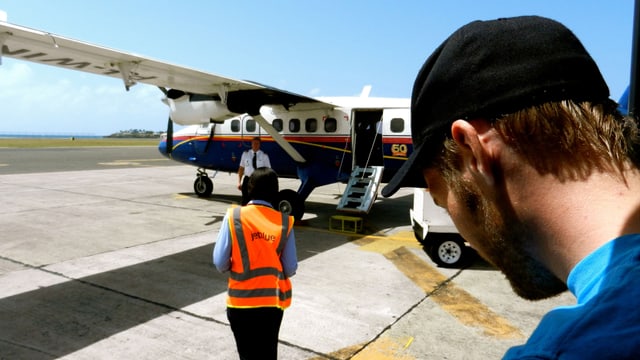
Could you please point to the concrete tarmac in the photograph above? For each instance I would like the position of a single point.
(112, 260)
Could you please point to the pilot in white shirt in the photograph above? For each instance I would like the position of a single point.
(251, 160)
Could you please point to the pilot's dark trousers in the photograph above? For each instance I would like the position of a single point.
(256, 331)
(245, 190)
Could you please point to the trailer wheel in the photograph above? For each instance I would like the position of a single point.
(449, 250)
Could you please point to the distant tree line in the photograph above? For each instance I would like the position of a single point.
(136, 133)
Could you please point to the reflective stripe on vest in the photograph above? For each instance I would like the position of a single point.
(255, 283)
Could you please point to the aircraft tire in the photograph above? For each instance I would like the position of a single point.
(203, 186)
(289, 203)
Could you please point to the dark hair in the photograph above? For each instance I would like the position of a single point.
(263, 185)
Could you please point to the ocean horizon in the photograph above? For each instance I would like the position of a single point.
(45, 135)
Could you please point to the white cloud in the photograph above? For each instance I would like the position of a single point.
(314, 92)
(12, 74)
(63, 101)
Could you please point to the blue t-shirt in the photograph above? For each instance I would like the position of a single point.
(605, 322)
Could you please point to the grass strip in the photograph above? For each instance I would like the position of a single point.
(71, 142)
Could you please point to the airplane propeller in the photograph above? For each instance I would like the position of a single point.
(210, 139)
(170, 95)
(169, 140)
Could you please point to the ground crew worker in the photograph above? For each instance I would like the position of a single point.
(256, 244)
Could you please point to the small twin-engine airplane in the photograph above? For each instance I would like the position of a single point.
(317, 140)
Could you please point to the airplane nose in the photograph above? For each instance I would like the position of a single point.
(162, 146)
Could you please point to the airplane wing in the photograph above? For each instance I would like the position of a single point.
(45, 48)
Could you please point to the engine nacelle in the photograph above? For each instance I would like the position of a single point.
(186, 111)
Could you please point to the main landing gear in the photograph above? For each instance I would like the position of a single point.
(288, 200)
(289, 203)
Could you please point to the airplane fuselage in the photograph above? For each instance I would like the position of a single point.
(330, 142)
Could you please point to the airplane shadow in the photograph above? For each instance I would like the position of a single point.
(57, 320)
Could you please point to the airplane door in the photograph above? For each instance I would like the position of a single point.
(367, 138)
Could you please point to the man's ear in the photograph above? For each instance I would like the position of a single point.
(471, 137)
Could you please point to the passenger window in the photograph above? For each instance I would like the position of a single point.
(250, 125)
(330, 125)
(311, 125)
(277, 124)
(397, 125)
(294, 125)
(235, 125)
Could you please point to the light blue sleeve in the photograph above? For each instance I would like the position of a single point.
(222, 248)
(289, 257)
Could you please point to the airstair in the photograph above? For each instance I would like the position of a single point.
(362, 189)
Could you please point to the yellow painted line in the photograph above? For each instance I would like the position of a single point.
(457, 302)
(383, 348)
(384, 244)
(452, 299)
(120, 163)
(146, 160)
(409, 342)
(132, 162)
(386, 348)
(342, 354)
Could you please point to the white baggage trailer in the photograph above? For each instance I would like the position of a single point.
(435, 230)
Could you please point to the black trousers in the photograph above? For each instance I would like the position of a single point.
(245, 190)
(256, 331)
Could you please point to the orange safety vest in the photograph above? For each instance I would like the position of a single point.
(258, 236)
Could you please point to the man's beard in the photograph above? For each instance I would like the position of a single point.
(503, 241)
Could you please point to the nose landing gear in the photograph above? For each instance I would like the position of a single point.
(203, 186)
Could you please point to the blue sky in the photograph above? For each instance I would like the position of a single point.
(314, 48)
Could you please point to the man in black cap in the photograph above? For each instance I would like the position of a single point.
(515, 135)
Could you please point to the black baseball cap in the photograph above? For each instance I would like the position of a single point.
(487, 69)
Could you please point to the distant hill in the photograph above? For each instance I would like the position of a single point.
(136, 133)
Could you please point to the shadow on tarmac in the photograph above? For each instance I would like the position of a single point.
(57, 320)
(60, 319)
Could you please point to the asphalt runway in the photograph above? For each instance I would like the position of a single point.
(106, 254)
(41, 160)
